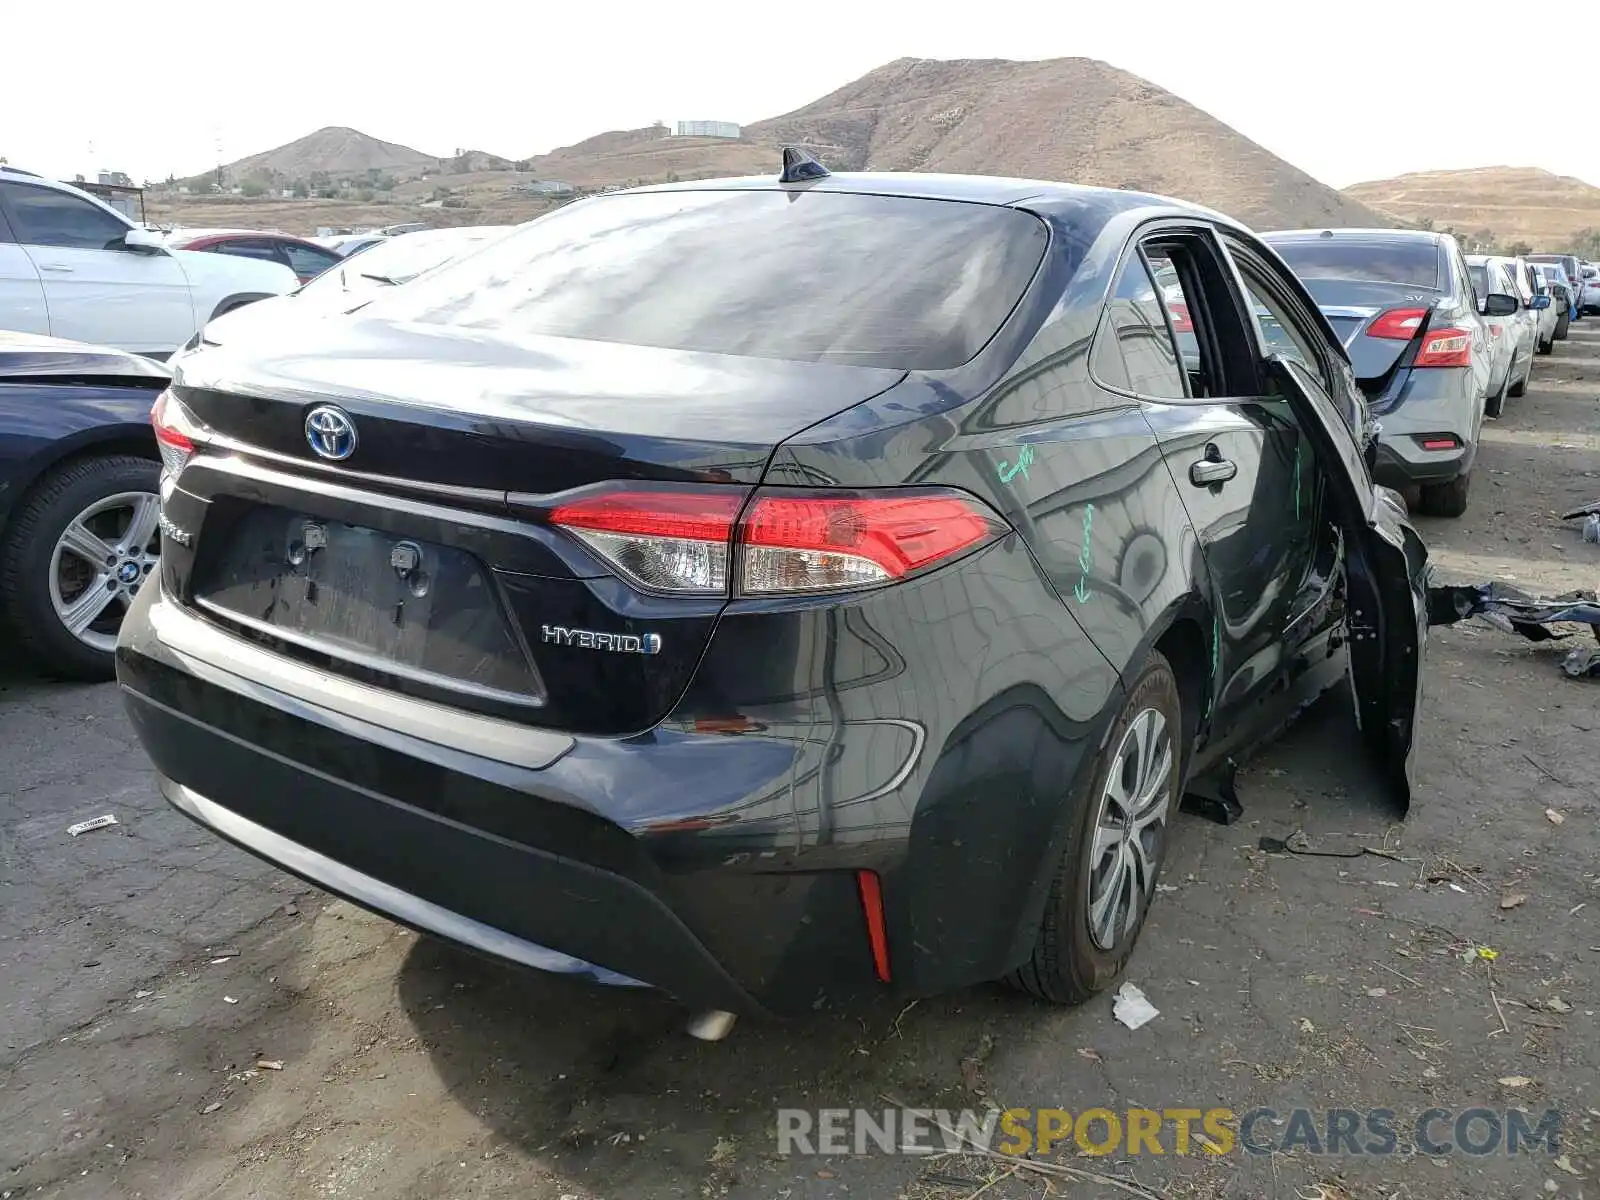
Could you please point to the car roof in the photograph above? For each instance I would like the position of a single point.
(973, 189)
(32, 354)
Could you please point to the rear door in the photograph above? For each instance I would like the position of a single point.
(1239, 461)
(1387, 583)
(97, 290)
(1383, 563)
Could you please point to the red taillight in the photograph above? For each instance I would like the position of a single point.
(789, 541)
(670, 541)
(1398, 324)
(1445, 348)
(1181, 321)
(810, 543)
(168, 433)
(177, 433)
(877, 928)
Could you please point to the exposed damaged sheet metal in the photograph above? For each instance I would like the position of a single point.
(1514, 610)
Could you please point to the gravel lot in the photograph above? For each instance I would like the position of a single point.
(146, 968)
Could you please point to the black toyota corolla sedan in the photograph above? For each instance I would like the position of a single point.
(776, 591)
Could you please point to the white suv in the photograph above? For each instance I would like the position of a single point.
(72, 267)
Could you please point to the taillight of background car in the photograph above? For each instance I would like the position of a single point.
(783, 542)
(1448, 347)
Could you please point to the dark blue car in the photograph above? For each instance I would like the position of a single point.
(78, 498)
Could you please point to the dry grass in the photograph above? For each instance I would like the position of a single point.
(1516, 203)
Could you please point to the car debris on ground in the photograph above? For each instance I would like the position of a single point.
(92, 824)
(1512, 610)
(1133, 1008)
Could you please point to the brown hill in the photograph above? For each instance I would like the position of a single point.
(1073, 119)
(1517, 204)
(651, 155)
(336, 150)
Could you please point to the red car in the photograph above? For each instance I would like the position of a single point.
(305, 258)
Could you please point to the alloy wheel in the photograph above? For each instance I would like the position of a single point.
(101, 558)
(1130, 829)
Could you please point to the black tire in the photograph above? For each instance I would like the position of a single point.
(1067, 966)
(1520, 388)
(1445, 499)
(1548, 345)
(1562, 325)
(27, 613)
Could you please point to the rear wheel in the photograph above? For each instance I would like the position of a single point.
(1562, 325)
(1106, 879)
(82, 543)
(1548, 344)
(1445, 499)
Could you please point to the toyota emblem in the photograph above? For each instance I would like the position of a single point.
(330, 432)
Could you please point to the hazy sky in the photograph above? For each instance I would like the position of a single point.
(1346, 92)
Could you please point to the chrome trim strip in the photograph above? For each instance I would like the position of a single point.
(241, 468)
(333, 472)
(235, 664)
(374, 893)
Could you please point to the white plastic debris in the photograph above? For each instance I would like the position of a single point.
(1133, 1008)
(95, 823)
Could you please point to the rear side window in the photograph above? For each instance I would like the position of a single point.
(306, 260)
(1413, 263)
(1134, 350)
(248, 248)
(1480, 278)
(876, 281)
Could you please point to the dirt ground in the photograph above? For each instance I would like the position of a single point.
(146, 970)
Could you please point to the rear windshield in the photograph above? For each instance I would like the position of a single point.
(1415, 264)
(876, 281)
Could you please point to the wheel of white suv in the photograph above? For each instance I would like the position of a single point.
(1107, 875)
(80, 546)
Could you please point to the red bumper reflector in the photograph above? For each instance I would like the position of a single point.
(877, 932)
(1441, 443)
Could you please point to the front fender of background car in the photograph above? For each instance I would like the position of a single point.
(214, 278)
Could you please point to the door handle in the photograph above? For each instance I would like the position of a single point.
(56, 267)
(1211, 471)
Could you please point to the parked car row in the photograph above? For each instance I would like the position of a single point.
(79, 457)
(1439, 340)
(71, 266)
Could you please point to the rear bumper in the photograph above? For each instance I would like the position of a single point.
(1430, 402)
(721, 868)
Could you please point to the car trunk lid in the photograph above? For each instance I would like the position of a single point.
(423, 561)
(461, 408)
